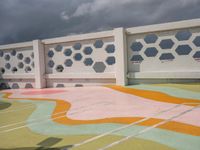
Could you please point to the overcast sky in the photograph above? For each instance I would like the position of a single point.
(25, 20)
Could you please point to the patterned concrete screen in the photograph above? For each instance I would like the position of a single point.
(163, 51)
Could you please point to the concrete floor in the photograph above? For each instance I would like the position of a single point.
(139, 117)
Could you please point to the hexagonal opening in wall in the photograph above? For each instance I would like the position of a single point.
(196, 41)
(68, 52)
(151, 52)
(1, 53)
(99, 67)
(33, 64)
(150, 38)
(98, 44)
(59, 68)
(78, 57)
(13, 52)
(110, 60)
(7, 66)
(58, 48)
(32, 55)
(77, 46)
(7, 57)
(183, 35)
(68, 62)
(15, 86)
(20, 65)
(166, 44)
(28, 86)
(137, 58)
(28, 69)
(20, 56)
(167, 56)
(27, 60)
(14, 70)
(183, 49)
(136, 46)
(88, 50)
(110, 48)
(196, 56)
(88, 61)
(50, 54)
(51, 63)
(2, 70)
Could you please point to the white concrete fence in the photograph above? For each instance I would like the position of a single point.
(155, 53)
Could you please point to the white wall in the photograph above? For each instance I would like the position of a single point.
(120, 56)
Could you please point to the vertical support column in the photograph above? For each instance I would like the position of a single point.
(121, 56)
(39, 57)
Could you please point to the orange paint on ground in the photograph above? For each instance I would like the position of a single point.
(157, 96)
(174, 126)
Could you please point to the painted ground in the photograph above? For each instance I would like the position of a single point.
(139, 117)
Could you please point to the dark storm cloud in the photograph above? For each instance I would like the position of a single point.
(24, 20)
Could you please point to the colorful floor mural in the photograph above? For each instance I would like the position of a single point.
(139, 117)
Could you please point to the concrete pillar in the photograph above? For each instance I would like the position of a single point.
(39, 58)
(121, 56)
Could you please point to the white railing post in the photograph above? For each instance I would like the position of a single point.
(121, 56)
(38, 49)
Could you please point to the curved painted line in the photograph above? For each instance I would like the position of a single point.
(181, 127)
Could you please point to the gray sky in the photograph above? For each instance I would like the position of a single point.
(25, 20)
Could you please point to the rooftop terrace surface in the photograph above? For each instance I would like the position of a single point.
(139, 117)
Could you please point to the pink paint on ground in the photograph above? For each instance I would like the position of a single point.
(101, 102)
(43, 92)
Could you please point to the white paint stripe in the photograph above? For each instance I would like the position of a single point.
(147, 129)
(127, 126)
(47, 117)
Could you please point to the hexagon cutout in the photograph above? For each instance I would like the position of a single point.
(13, 52)
(51, 63)
(33, 64)
(167, 56)
(20, 65)
(68, 62)
(32, 55)
(150, 38)
(183, 35)
(98, 44)
(110, 60)
(60, 85)
(2, 70)
(58, 48)
(110, 48)
(68, 52)
(20, 56)
(28, 69)
(15, 86)
(87, 50)
(78, 57)
(77, 46)
(1, 53)
(151, 52)
(136, 46)
(50, 54)
(183, 49)
(27, 60)
(196, 41)
(28, 86)
(7, 57)
(14, 69)
(7, 66)
(99, 67)
(88, 61)
(166, 44)
(137, 58)
(59, 68)
(196, 56)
